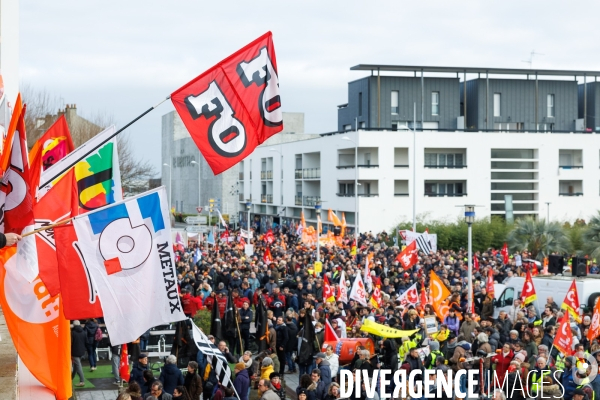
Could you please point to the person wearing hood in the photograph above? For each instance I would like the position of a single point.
(434, 353)
(468, 327)
(323, 366)
(78, 344)
(241, 382)
(334, 361)
(484, 348)
(502, 361)
(266, 368)
(462, 346)
(450, 346)
(193, 382)
(171, 376)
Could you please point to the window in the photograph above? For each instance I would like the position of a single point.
(435, 103)
(444, 189)
(395, 107)
(348, 127)
(360, 104)
(550, 104)
(444, 160)
(496, 104)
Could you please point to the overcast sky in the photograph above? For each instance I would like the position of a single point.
(121, 57)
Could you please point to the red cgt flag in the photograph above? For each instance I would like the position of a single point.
(234, 106)
(489, 286)
(594, 330)
(571, 302)
(475, 263)
(563, 340)
(409, 256)
(328, 292)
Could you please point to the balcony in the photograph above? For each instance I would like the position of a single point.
(570, 166)
(266, 175)
(266, 198)
(368, 165)
(401, 194)
(311, 173)
(345, 166)
(368, 195)
(458, 166)
(311, 201)
(345, 194)
(298, 200)
(571, 194)
(298, 173)
(401, 165)
(445, 194)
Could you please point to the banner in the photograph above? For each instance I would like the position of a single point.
(37, 326)
(128, 251)
(234, 106)
(358, 291)
(571, 302)
(384, 330)
(343, 296)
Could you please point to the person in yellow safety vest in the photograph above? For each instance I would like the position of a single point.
(404, 349)
(442, 335)
(434, 353)
(537, 375)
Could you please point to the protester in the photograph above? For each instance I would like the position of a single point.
(78, 345)
(193, 382)
(171, 376)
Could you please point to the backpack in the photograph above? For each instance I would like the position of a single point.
(98, 335)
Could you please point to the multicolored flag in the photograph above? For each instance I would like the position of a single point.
(328, 292)
(358, 291)
(571, 302)
(376, 299)
(410, 296)
(234, 106)
(129, 245)
(528, 294)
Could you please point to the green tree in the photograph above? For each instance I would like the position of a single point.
(538, 237)
(591, 237)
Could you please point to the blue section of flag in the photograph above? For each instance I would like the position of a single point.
(210, 239)
(150, 208)
(100, 219)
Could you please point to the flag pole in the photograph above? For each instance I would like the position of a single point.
(237, 325)
(90, 151)
(45, 228)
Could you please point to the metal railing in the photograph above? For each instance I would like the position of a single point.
(311, 173)
(266, 174)
(571, 194)
(457, 166)
(570, 166)
(345, 166)
(266, 198)
(401, 166)
(311, 201)
(401, 194)
(368, 195)
(345, 194)
(298, 173)
(445, 194)
(298, 200)
(368, 165)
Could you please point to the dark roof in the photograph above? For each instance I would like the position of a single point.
(473, 70)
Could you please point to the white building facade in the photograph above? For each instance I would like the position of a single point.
(451, 169)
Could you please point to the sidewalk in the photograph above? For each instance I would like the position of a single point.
(97, 395)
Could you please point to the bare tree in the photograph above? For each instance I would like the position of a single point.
(43, 109)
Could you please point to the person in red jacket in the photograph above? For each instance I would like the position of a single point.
(222, 302)
(190, 304)
(502, 361)
(209, 302)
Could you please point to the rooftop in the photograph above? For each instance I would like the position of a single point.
(473, 70)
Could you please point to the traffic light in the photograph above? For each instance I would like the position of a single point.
(211, 205)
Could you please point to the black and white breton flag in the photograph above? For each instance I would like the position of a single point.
(213, 356)
(423, 243)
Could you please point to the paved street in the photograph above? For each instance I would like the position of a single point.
(97, 395)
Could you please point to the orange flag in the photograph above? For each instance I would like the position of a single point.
(124, 363)
(442, 309)
(563, 340)
(594, 330)
(37, 326)
(333, 218)
(571, 302)
(489, 285)
(8, 140)
(439, 291)
(50, 148)
(343, 224)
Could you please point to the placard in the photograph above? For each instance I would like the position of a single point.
(431, 325)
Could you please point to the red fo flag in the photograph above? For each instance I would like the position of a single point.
(528, 294)
(475, 263)
(505, 254)
(571, 302)
(563, 340)
(328, 294)
(489, 286)
(409, 256)
(124, 364)
(267, 258)
(234, 106)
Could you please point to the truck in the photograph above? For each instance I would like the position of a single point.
(555, 286)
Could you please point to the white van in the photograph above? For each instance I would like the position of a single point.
(588, 290)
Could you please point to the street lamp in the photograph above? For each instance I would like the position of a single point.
(355, 186)
(170, 186)
(199, 178)
(248, 207)
(469, 219)
(318, 211)
(414, 194)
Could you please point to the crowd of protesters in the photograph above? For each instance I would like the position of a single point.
(512, 344)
